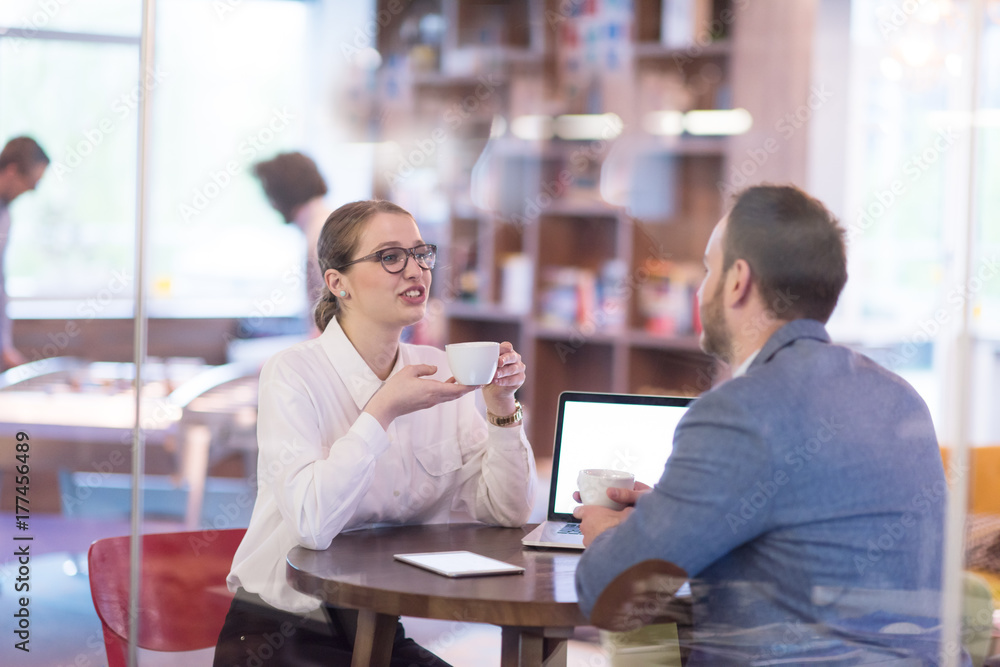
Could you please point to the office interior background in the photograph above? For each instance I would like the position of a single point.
(569, 158)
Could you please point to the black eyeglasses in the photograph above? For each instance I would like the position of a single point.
(394, 260)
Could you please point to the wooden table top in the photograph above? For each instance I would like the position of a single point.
(358, 571)
(94, 401)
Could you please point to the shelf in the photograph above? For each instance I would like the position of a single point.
(634, 338)
(689, 145)
(657, 51)
(563, 150)
(490, 68)
(442, 80)
(483, 312)
(547, 149)
(575, 335)
(568, 208)
(688, 343)
(511, 55)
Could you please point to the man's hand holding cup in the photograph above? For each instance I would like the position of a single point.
(607, 497)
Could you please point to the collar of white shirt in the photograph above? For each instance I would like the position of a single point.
(742, 368)
(359, 379)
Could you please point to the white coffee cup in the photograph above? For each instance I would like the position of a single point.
(595, 482)
(473, 363)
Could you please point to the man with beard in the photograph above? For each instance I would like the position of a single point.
(805, 496)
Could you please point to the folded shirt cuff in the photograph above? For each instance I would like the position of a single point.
(371, 432)
(507, 437)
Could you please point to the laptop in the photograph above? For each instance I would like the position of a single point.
(593, 430)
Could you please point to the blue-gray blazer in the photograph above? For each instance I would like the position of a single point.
(806, 500)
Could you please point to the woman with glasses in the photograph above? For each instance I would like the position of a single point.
(355, 429)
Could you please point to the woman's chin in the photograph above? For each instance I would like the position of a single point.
(414, 314)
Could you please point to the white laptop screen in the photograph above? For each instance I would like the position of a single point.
(621, 432)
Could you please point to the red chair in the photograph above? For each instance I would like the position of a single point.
(183, 596)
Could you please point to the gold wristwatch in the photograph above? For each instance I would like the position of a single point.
(509, 419)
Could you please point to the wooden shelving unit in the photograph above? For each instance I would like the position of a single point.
(546, 199)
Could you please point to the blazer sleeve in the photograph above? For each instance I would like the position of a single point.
(692, 516)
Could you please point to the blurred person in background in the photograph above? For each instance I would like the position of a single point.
(22, 164)
(296, 189)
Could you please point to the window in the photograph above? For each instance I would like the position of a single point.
(908, 176)
(226, 92)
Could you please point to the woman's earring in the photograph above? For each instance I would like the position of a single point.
(343, 293)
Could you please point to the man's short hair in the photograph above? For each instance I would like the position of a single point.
(24, 152)
(290, 180)
(794, 246)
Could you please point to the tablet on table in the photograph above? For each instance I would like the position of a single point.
(459, 563)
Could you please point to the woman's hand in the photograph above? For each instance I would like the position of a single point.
(499, 394)
(407, 391)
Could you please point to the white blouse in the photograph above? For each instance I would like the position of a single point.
(324, 466)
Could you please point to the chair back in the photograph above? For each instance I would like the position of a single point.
(40, 368)
(183, 599)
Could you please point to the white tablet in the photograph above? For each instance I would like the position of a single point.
(459, 564)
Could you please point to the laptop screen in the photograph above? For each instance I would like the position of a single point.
(618, 431)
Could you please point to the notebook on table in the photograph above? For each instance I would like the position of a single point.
(593, 430)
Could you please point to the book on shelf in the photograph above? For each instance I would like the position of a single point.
(685, 23)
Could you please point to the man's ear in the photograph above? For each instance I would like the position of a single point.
(739, 283)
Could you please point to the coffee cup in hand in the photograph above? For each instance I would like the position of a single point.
(473, 363)
(595, 482)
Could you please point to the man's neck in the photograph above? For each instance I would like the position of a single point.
(751, 335)
(743, 366)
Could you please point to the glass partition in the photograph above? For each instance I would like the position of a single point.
(923, 296)
(222, 272)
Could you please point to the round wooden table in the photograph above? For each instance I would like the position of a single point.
(537, 610)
